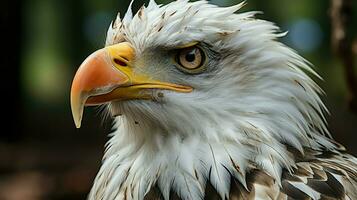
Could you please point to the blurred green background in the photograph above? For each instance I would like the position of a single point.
(42, 155)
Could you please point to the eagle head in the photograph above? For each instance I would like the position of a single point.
(199, 94)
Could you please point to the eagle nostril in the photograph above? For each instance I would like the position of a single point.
(120, 62)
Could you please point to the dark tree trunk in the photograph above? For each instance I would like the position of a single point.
(342, 42)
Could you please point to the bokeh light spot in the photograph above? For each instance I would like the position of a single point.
(305, 35)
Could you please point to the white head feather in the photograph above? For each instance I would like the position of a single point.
(241, 116)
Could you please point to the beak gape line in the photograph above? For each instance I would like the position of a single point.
(108, 74)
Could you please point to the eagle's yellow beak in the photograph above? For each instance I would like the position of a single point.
(108, 74)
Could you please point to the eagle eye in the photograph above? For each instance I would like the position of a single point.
(191, 59)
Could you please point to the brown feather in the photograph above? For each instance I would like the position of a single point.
(318, 171)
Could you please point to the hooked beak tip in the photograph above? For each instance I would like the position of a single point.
(77, 111)
(78, 124)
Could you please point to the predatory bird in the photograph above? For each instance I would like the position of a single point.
(208, 104)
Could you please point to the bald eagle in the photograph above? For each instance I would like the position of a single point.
(208, 104)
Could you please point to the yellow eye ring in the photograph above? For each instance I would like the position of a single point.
(191, 59)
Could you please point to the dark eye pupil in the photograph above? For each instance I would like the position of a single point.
(190, 56)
